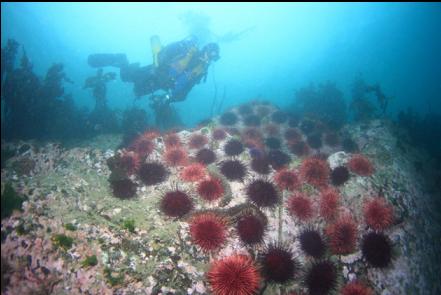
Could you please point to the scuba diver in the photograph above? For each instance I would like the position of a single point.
(175, 70)
(98, 84)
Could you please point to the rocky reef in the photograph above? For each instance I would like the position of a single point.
(252, 202)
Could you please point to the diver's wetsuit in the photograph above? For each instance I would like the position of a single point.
(180, 66)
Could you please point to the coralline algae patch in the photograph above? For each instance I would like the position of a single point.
(256, 201)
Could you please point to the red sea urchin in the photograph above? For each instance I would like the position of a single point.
(356, 288)
(234, 275)
(342, 235)
(262, 193)
(250, 229)
(172, 140)
(176, 157)
(360, 165)
(210, 189)
(197, 141)
(315, 171)
(300, 206)
(278, 264)
(328, 204)
(143, 146)
(299, 148)
(130, 161)
(286, 180)
(193, 172)
(176, 204)
(208, 230)
(378, 214)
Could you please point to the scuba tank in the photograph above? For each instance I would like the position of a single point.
(155, 44)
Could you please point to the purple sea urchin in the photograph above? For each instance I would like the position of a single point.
(219, 134)
(339, 175)
(314, 140)
(260, 165)
(262, 193)
(278, 159)
(250, 229)
(152, 173)
(233, 170)
(377, 249)
(321, 278)
(176, 204)
(205, 156)
(273, 143)
(233, 147)
(245, 109)
(251, 121)
(123, 188)
(312, 243)
(278, 264)
(279, 117)
(228, 119)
